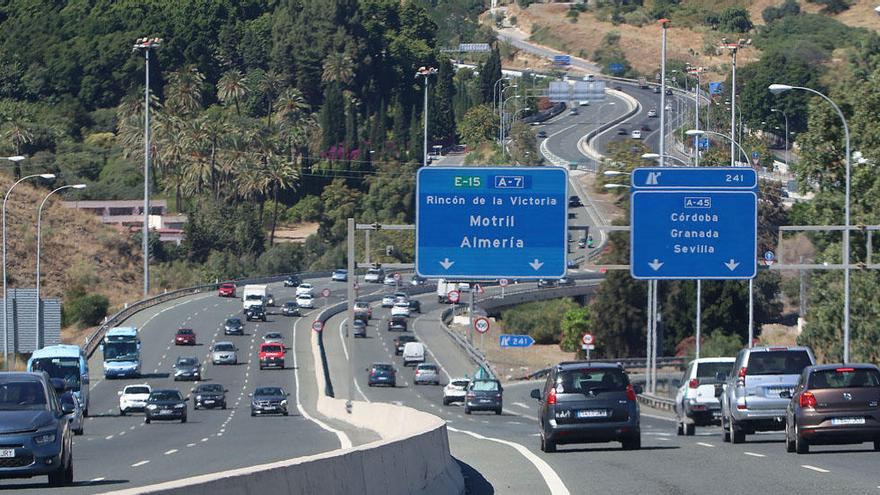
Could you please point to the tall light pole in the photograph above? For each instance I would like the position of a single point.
(501, 132)
(425, 72)
(779, 88)
(146, 44)
(664, 24)
(501, 108)
(734, 47)
(39, 244)
(5, 296)
(696, 71)
(512, 120)
(784, 116)
(495, 92)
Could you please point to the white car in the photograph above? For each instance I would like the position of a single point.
(400, 309)
(455, 390)
(652, 113)
(133, 398)
(390, 280)
(388, 300)
(304, 289)
(374, 275)
(695, 401)
(305, 301)
(637, 134)
(584, 103)
(464, 287)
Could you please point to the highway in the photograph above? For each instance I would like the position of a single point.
(118, 452)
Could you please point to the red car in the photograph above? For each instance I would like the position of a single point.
(271, 355)
(185, 336)
(226, 290)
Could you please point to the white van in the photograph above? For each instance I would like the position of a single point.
(253, 295)
(413, 353)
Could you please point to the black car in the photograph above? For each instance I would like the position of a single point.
(574, 201)
(165, 405)
(209, 396)
(360, 328)
(417, 280)
(484, 395)
(618, 87)
(187, 368)
(565, 281)
(37, 429)
(415, 306)
(401, 341)
(382, 374)
(545, 282)
(255, 312)
(542, 134)
(646, 127)
(290, 309)
(621, 131)
(269, 400)
(233, 326)
(397, 324)
(587, 402)
(668, 91)
(292, 281)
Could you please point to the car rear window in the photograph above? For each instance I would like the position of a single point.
(137, 390)
(272, 348)
(429, 367)
(485, 385)
(778, 363)
(585, 380)
(165, 395)
(224, 347)
(184, 331)
(460, 383)
(845, 378)
(382, 367)
(709, 370)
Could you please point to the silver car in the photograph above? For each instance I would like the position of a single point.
(224, 353)
(427, 373)
(756, 394)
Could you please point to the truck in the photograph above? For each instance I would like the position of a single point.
(443, 288)
(121, 347)
(643, 83)
(253, 295)
(67, 362)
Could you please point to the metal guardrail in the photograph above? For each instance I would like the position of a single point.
(628, 363)
(657, 402)
(91, 343)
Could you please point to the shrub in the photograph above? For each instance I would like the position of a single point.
(85, 310)
(540, 319)
(735, 20)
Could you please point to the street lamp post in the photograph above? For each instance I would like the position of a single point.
(39, 244)
(5, 298)
(425, 72)
(501, 110)
(696, 71)
(512, 120)
(733, 47)
(664, 24)
(779, 88)
(495, 92)
(784, 116)
(146, 44)
(501, 132)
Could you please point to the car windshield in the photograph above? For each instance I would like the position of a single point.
(214, 387)
(305, 286)
(778, 363)
(290, 304)
(709, 370)
(224, 347)
(374, 272)
(485, 386)
(845, 378)
(227, 286)
(137, 390)
(403, 304)
(22, 395)
(233, 322)
(305, 296)
(359, 323)
(361, 305)
(269, 391)
(586, 380)
(184, 331)
(186, 362)
(253, 297)
(120, 351)
(427, 367)
(66, 369)
(272, 348)
(165, 395)
(341, 272)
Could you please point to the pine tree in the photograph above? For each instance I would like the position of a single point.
(400, 126)
(490, 73)
(416, 134)
(332, 117)
(351, 129)
(443, 114)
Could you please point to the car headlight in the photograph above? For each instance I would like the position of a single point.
(198, 397)
(151, 407)
(179, 406)
(44, 438)
(284, 403)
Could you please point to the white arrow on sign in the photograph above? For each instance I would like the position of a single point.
(536, 264)
(731, 265)
(446, 263)
(656, 264)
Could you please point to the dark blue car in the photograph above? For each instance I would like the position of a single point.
(382, 374)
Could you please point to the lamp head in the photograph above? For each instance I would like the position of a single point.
(78, 186)
(47, 176)
(694, 132)
(16, 158)
(779, 88)
(651, 156)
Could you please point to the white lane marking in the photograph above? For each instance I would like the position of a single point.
(754, 454)
(170, 451)
(520, 404)
(190, 445)
(357, 385)
(553, 481)
(344, 441)
(205, 439)
(108, 437)
(703, 444)
(140, 463)
(814, 468)
(663, 439)
(442, 368)
(101, 478)
(661, 418)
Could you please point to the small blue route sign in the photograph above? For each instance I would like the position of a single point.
(506, 340)
(694, 223)
(491, 222)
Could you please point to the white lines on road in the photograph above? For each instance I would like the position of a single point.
(704, 444)
(205, 439)
(357, 385)
(190, 445)
(95, 480)
(108, 437)
(814, 468)
(140, 463)
(520, 404)
(553, 481)
(753, 454)
(172, 451)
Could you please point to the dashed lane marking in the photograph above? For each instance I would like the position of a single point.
(190, 445)
(753, 454)
(140, 463)
(520, 404)
(703, 444)
(172, 451)
(101, 478)
(814, 468)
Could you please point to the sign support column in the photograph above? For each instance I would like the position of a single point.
(351, 296)
(699, 319)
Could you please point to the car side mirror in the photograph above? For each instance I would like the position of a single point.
(67, 408)
(186, 398)
(638, 389)
(720, 376)
(785, 394)
(535, 394)
(225, 390)
(119, 393)
(719, 389)
(250, 395)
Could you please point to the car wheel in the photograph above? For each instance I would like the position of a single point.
(285, 413)
(253, 413)
(445, 402)
(63, 476)
(689, 429)
(801, 446)
(78, 431)
(877, 445)
(467, 410)
(147, 420)
(498, 412)
(736, 434)
(547, 445)
(789, 443)
(183, 419)
(196, 407)
(223, 406)
(122, 412)
(369, 384)
(725, 433)
(632, 443)
(679, 430)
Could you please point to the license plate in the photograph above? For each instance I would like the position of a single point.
(716, 414)
(484, 401)
(7, 453)
(165, 412)
(848, 421)
(593, 413)
(209, 402)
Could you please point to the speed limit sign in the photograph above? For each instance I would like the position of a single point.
(481, 325)
(325, 293)
(503, 282)
(453, 296)
(588, 339)
(317, 325)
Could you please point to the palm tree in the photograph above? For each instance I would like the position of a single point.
(233, 87)
(18, 131)
(184, 93)
(270, 85)
(251, 184)
(278, 174)
(338, 67)
(173, 155)
(291, 110)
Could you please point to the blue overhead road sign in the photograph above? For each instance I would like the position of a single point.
(694, 234)
(491, 222)
(687, 178)
(505, 340)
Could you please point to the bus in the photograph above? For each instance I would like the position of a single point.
(122, 352)
(67, 362)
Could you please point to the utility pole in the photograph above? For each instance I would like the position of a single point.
(425, 72)
(664, 24)
(146, 44)
(733, 47)
(352, 276)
